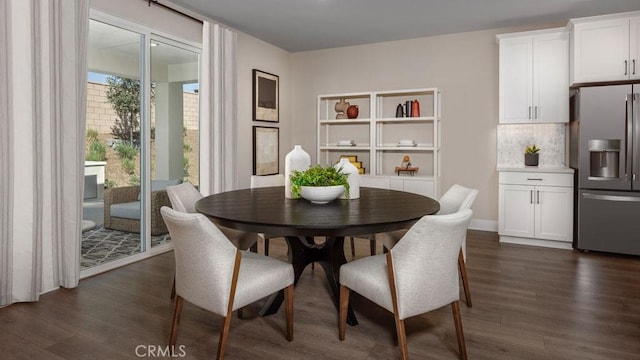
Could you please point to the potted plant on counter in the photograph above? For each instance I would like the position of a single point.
(531, 155)
(319, 184)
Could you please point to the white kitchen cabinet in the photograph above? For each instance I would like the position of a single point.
(536, 208)
(375, 136)
(605, 48)
(534, 77)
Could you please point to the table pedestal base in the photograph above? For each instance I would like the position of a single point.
(304, 251)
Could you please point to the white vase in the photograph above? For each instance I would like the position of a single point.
(296, 159)
(353, 178)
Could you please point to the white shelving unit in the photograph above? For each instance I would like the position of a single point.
(376, 134)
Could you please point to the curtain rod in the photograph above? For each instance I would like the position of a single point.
(155, 2)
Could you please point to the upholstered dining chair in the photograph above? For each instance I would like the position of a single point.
(183, 198)
(258, 181)
(213, 274)
(419, 274)
(457, 198)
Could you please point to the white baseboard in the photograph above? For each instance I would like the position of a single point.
(483, 225)
(536, 242)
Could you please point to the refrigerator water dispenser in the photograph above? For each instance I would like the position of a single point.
(605, 158)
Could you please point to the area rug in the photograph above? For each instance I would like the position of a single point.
(101, 245)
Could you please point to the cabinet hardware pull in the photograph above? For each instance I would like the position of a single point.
(625, 67)
(536, 112)
(536, 179)
(529, 112)
(530, 196)
(634, 66)
(538, 197)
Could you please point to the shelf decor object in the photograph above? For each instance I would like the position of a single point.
(352, 111)
(265, 96)
(341, 108)
(415, 108)
(399, 111)
(353, 159)
(405, 166)
(266, 153)
(390, 124)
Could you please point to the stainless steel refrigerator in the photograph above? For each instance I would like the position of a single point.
(605, 151)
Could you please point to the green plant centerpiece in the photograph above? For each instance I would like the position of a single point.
(531, 155)
(318, 176)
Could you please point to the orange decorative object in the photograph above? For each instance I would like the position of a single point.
(415, 108)
(352, 111)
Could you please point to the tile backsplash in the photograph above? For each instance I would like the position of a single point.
(514, 138)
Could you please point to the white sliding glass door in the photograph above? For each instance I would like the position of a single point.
(142, 136)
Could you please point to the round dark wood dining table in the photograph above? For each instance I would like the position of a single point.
(266, 210)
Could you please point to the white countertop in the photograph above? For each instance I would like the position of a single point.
(539, 169)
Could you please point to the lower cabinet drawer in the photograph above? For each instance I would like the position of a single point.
(535, 178)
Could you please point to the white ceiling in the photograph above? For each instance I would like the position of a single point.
(301, 25)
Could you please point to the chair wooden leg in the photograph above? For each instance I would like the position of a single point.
(353, 248)
(288, 300)
(266, 246)
(459, 334)
(344, 305)
(465, 279)
(226, 322)
(177, 311)
(173, 288)
(372, 245)
(402, 338)
(400, 330)
(224, 334)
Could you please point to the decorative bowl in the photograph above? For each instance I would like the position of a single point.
(321, 194)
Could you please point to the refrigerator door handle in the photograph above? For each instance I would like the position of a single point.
(635, 138)
(628, 130)
(610, 197)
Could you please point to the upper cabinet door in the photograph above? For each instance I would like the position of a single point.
(601, 51)
(516, 80)
(551, 78)
(634, 47)
(534, 77)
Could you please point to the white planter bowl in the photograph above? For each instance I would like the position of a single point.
(321, 194)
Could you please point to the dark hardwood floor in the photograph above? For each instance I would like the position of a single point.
(528, 303)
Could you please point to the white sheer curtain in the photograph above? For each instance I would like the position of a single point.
(43, 98)
(217, 109)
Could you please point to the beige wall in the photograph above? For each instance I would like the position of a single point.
(252, 54)
(463, 66)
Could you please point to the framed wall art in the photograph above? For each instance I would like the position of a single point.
(266, 96)
(266, 152)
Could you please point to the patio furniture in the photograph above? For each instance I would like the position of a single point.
(122, 207)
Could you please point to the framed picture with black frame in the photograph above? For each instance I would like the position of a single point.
(266, 153)
(266, 96)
